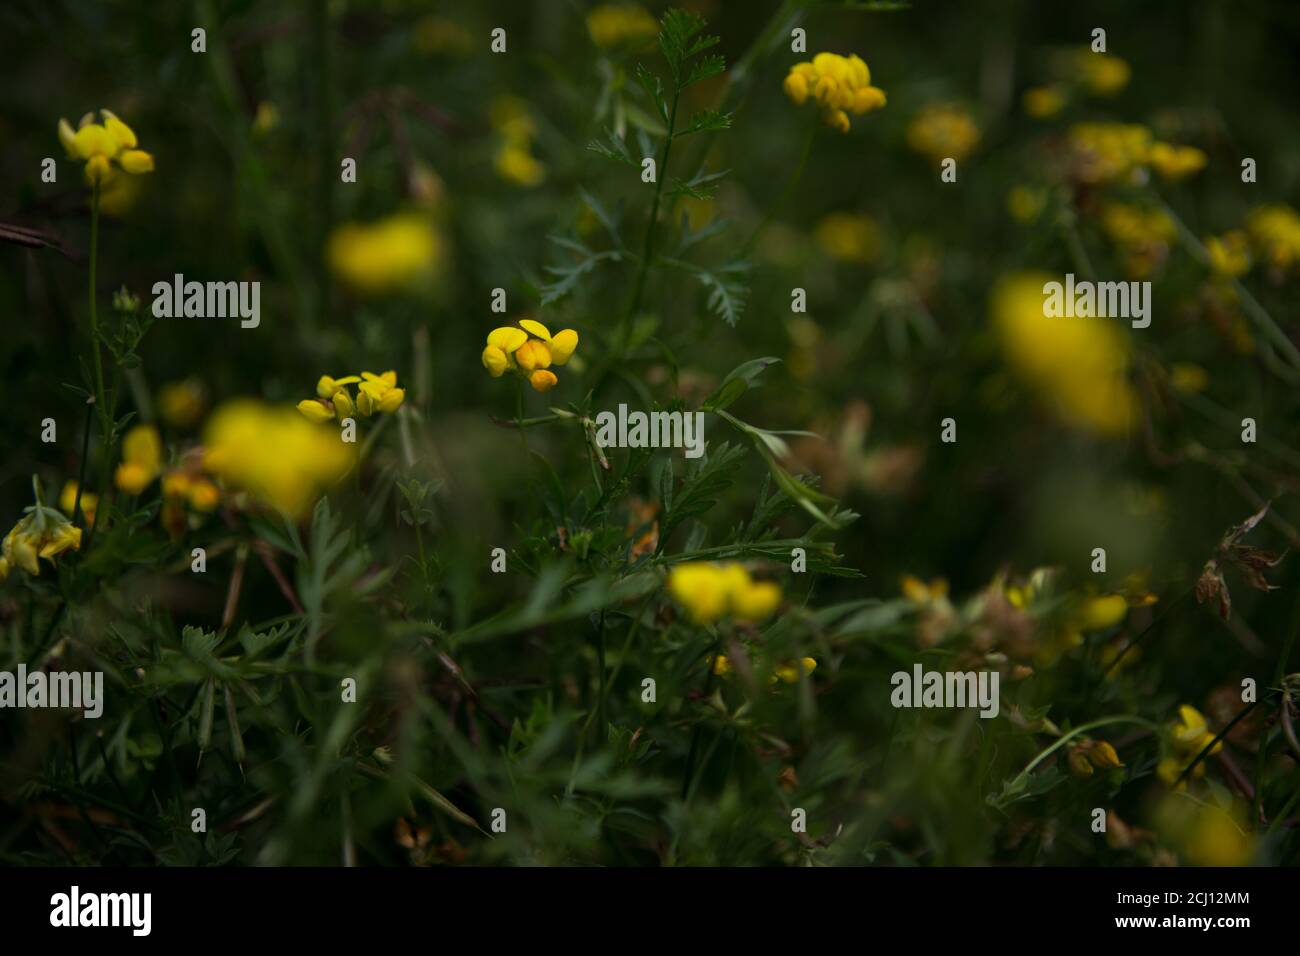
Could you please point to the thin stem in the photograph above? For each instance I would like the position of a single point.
(648, 251)
(786, 193)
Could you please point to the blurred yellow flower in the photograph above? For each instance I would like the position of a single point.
(1275, 230)
(1229, 254)
(68, 501)
(1043, 102)
(848, 237)
(1103, 152)
(42, 533)
(514, 161)
(1102, 74)
(182, 404)
(512, 348)
(1207, 834)
(1188, 378)
(1187, 737)
(711, 591)
(1077, 365)
(789, 671)
(839, 84)
(385, 256)
(1175, 162)
(616, 24)
(1026, 203)
(266, 118)
(141, 459)
(943, 131)
(100, 145)
(273, 454)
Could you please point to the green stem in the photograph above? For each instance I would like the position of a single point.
(786, 193)
(100, 397)
(660, 174)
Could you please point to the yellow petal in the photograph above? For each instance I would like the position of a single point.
(542, 380)
(98, 169)
(533, 354)
(343, 407)
(562, 346)
(388, 379)
(365, 403)
(507, 338)
(536, 328)
(136, 162)
(494, 360)
(315, 411)
(68, 137)
(121, 133)
(392, 400)
(93, 140)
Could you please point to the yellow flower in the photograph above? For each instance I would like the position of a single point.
(530, 351)
(42, 533)
(1207, 834)
(1078, 365)
(1229, 253)
(711, 591)
(942, 132)
(918, 592)
(375, 393)
(387, 256)
(1099, 613)
(141, 459)
(98, 145)
(316, 411)
(1104, 152)
(68, 500)
(1043, 102)
(612, 25)
(840, 85)
(1276, 231)
(379, 393)
(1188, 378)
(848, 237)
(1026, 203)
(789, 671)
(270, 452)
(1188, 736)
(181, 404)
(1102, 74)
(517, 165)
(1175, 162)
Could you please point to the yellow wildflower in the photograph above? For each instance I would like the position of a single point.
(42, 533)
(100, 145)
(1043, 102)
(1104, 152)
(385, 256)
(1078, 365)
(141, 459)
(1175, 162)
(1275, 230)
(531, 357)
(711, 591)
(1206, 833)
(181, 404)
(612, 25)
(790, 670)
(270, 452)
(375, 393)
(515, 128)
(68, 501)
(848, 237)
(1026, 203)
(943, 131)
(839, 84)
(1188, 378)
(1187, 736)
(1229, 254)
(1102, 73)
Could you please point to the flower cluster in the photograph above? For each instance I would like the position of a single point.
(99, 145)
(840, 84)
(1110, 152)
(142, 456)
(42, 533)
(1142, 235)
(787, 672)
(943, 131)
(1188, 736)
(1087, 754)
(375, 393)
(710, 592)
(529, 350)
(271, 453)
(1276, 231)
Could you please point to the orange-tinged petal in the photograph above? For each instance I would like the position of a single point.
(542, 380)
